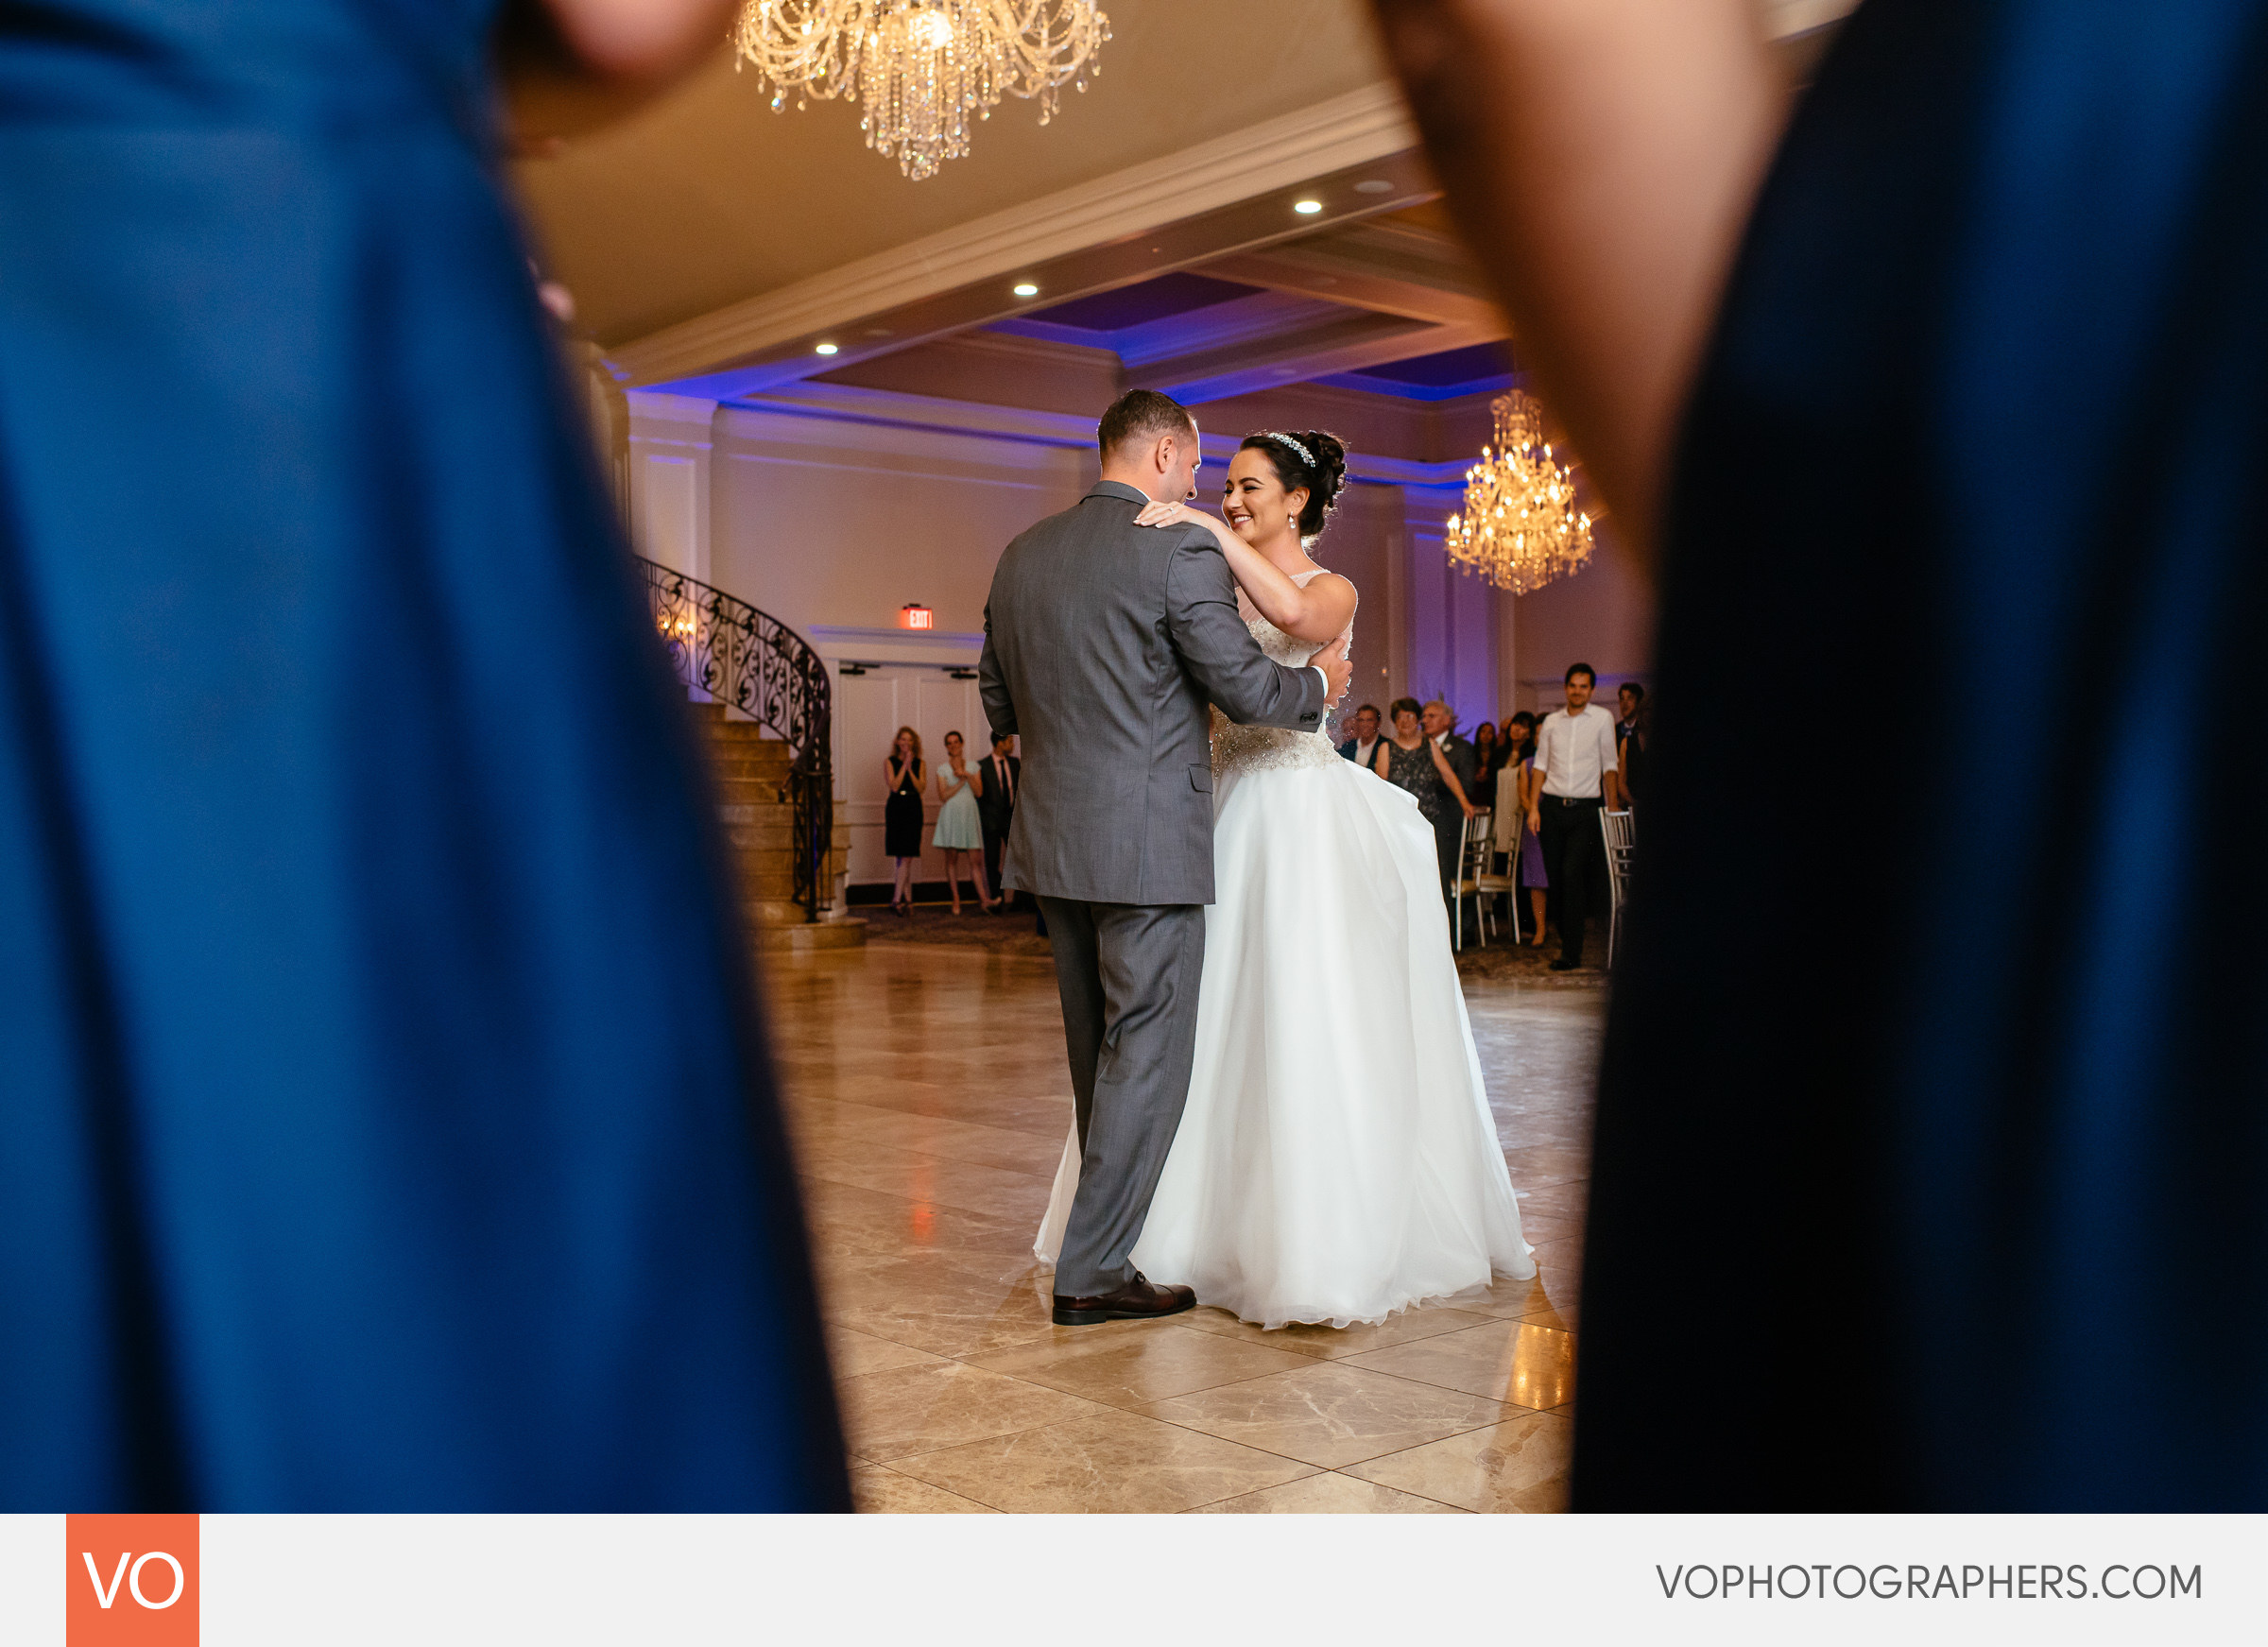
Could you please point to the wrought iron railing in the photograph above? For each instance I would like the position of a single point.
(752, 662)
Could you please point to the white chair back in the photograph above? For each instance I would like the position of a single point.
(1620, 829)
(1472, 858)
(1490, 883)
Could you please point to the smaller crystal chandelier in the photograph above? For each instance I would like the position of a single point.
(1520, 527)
(921, 67)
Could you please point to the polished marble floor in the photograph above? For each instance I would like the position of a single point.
(928, 1096)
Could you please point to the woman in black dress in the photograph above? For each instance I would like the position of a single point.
(902, 814)
(1402, 762)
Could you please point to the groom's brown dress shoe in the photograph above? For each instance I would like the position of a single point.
(1136, 1301)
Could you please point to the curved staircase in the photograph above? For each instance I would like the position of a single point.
(765, 704)
(753, 773)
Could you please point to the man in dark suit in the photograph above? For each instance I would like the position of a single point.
(1363, 747)
(1440, 724)
(1001, 773)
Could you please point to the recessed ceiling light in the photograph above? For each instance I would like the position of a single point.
(1372, 187)
(1025, 289)
(825, 349)
(1307, 208)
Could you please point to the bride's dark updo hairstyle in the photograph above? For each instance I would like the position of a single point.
(1321, 468)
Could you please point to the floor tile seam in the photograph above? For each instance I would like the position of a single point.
(1048, 1178)
(1256, 1446)
(1376, 1372)
(1444, 1338)
(1136, 1406)
(1312, 1471)
(1060, 1423)
(1452, 1389)
(1388, 1457)
(902, 1475)
(992, 1435)
(1461, 1509)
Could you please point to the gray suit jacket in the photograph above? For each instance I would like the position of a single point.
(1104, 640)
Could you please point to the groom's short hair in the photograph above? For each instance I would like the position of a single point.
(1141, 415)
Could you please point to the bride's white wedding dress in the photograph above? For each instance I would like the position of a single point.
(1337, 1161)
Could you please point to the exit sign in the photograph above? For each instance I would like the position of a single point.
(916, 617)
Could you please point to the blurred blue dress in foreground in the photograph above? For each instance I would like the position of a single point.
(383, 1120)
(1959, 1128)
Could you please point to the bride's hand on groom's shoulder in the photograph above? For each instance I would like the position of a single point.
(1157, 514)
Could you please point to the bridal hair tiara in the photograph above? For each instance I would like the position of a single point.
(1305, 457)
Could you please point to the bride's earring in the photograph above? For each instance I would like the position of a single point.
(1290, 519)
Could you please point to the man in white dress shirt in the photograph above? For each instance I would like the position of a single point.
(1574, 755)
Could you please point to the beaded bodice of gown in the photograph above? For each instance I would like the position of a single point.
(1244, 749)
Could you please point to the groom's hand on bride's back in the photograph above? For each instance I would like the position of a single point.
(1339, 669)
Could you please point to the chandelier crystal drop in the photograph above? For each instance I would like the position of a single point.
(921, 68)
(1520, 528)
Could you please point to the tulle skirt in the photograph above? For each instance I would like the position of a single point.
(1337, 1161)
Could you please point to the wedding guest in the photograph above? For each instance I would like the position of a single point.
(1000, 773)
(1519, 737)
(1987, 316)
(1627, 696)
(960, 831)
(1411, 760)
(1514, 801)
(1363, 747)
(1488, 754)
(1440, 724)
(906, 777)
(1576, 763)
(380, 1131)
(1632, 749)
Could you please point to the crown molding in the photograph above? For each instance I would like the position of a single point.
(651, 407)
(929, 414)
(1365, 125)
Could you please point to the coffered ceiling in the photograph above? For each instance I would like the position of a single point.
(1237, 206)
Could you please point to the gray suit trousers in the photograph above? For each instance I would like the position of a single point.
(1128, 975)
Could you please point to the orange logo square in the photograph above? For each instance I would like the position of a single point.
(129, 1580)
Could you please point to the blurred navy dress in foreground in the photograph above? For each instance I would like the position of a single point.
(1959, 1133)
(383, 1123)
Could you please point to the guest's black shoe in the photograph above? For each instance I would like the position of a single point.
(1564, 965)
(1137, 1300)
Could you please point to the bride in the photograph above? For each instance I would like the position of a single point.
(1336, 1161)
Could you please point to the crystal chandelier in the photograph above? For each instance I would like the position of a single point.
(1520, 527)
(921, 67)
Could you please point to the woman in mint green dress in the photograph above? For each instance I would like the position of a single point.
(960, 830)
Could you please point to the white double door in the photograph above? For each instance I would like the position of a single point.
(868, 710)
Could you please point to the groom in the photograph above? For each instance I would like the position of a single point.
(1103, 642)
